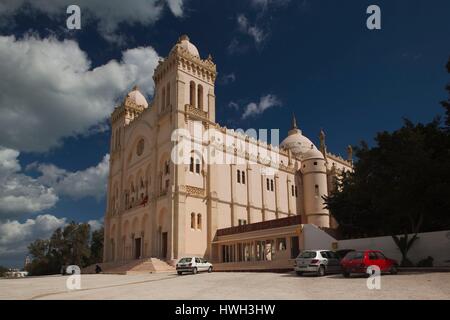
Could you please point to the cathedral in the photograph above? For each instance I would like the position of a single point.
(250, 210)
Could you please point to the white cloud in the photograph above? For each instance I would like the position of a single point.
(95, 224)
(19, 193)
(108, 13)
(266, 102)
(265, 3)
(91, 182)
(50, 91)
(176, 6)
(233, 105)
(16, 236)
(254, 31)
(22, 194)
(228, 78)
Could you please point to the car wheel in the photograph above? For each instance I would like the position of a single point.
(346, 274)
(321, 271)
(209, 269)
(195, 271)
(180, 273)
(299, 273)
(394, 270)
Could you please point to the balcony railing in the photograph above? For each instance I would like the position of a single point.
(270, 224)
(196, 111)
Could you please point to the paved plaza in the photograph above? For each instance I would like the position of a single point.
(231, 285)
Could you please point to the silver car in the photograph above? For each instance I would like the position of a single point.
(320, 262)
(194, 265)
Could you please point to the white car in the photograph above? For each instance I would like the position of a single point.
(194, 265)
(320, 262)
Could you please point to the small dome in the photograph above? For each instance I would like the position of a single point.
(296, 141)
(312, 153)
(137, 97)
(184, 43)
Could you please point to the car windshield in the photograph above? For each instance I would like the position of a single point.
(307, 254)
(354, 255)
(184, 260)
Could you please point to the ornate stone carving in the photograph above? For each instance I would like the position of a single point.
(195, 191)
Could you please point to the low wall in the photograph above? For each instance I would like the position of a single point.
(434, 244)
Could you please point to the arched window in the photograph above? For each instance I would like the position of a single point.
(199, 221)
(243, 177)
(200, 96)
(166, 167)
(192, 93)
(317, 190)
(271, 185)
(238, 176)
(191, 165)
(268, 184)
(192, 220)
(197, 165)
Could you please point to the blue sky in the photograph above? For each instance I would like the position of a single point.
(317, 58)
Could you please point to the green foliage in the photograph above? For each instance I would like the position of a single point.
(446, 104)
(97, 246)
(401, 185)
(2, 271)
(404, 244)
(73, 245)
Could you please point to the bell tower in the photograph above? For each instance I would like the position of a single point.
(185, 82)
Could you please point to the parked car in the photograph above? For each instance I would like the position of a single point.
(194, 265)
(343, 252)
(359, 261)
(320, 262)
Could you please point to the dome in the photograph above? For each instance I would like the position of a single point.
(296, 141)
(184, 43)
(137, 97)
(312, 153)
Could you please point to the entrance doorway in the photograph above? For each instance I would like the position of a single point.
(164, 245)
(137, 248)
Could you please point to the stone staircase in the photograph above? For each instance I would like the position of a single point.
(139, 266)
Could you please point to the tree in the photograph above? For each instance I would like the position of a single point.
(72, 245)
(97, 246)
(401, 185)
(3, 270)
(446, 104)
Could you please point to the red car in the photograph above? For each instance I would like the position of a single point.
(359, 261)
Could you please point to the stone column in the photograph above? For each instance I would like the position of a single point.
(233, 193)
(289, 186)
(263, 201)
(248, 176)
(277, 194)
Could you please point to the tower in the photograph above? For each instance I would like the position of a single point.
(184, 99)
(185, 82)
(315, 186)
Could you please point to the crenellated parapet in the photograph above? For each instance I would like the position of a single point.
(188, 60)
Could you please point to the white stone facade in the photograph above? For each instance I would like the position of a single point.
(158, 208)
